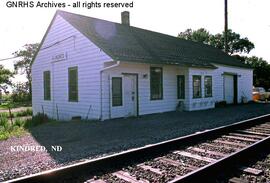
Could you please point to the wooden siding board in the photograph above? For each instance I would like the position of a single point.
(82, 53)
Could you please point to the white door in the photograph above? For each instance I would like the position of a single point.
(130, 95)
(229, 89)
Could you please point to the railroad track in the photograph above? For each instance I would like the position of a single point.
(256, 169)
(193, 158)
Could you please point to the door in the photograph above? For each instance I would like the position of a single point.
(130, 95)
(229, 89)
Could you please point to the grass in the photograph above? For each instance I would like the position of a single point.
(22, 113)
(20, 126)
(6, 105)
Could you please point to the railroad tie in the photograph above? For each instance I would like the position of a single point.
(237, 145)
(147, 167)
(195, 156)
(176, 163)
(253, 171)
(96, 181)
(252, 132)
(223, 147)
(127, 177)
(207, 151)
(245, 135)
(237, 180)
(240, 138)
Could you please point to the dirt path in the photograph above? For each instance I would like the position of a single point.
(15, 109)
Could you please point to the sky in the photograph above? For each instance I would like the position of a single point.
(250, 18)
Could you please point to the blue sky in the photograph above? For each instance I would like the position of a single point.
(250, 18)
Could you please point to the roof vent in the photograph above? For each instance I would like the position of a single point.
(125, 18)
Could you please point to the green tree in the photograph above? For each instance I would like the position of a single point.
(5, 76)
(261, 71)
(236, 44)
(201, 35)
(23, 64)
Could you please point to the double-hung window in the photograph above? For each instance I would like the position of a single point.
(47, 85)
(208, 86)
(180, 87)
(73, 84)
(117, 98)
(156, 88)
(197, 88)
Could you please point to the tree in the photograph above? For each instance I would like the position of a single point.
(23, 65)
(5, 76)
(236, 44)
(261, 72)
(20, 92)
(201, 35)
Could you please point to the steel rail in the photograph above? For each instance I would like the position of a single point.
(137, 155)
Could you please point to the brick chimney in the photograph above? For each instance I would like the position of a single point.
(125, 18)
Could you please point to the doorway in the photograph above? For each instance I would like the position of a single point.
(230, 89)
(130, 95)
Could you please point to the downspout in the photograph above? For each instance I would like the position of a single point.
(101, 71)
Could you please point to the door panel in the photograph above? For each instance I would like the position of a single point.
(130, 95)
(229, 89)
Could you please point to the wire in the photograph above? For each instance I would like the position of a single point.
(44, 48)
(9, 58)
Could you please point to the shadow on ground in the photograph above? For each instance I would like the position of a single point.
(81, 140)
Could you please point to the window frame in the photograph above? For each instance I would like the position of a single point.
(77, 85)
(161, 84)
(211, 86)
(47, 86)
(121, 92)
(193, 86)
(178, 87)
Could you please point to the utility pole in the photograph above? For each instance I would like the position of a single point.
(226, 27)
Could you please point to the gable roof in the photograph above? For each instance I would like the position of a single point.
(132, 44)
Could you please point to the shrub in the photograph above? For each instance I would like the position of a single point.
(4, 115)
(19, 123)
(27, 112)
(36, 120)
(4, 121)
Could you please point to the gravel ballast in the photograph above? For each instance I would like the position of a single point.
(86, 140)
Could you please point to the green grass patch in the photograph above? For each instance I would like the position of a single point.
(19, 127)
(22, 113)
(8, 104)
(8, 130)
(27, 112)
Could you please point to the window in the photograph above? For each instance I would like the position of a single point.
(208, 86)
(47, 85)
(180, 86)
(156, 89)
(117, 91)
(197, 92)
(73, 84)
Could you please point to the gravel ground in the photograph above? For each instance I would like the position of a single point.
(86, 140)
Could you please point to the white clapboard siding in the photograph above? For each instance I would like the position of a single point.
(90, 59)
(203, 102)
(146, 106)
(81, 52)
(245, 82)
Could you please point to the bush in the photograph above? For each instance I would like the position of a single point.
(4, 121)
(27, 112)
(4, 115)
(19, 123)
(36, 120)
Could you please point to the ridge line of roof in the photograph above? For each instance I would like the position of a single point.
(143, 29)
